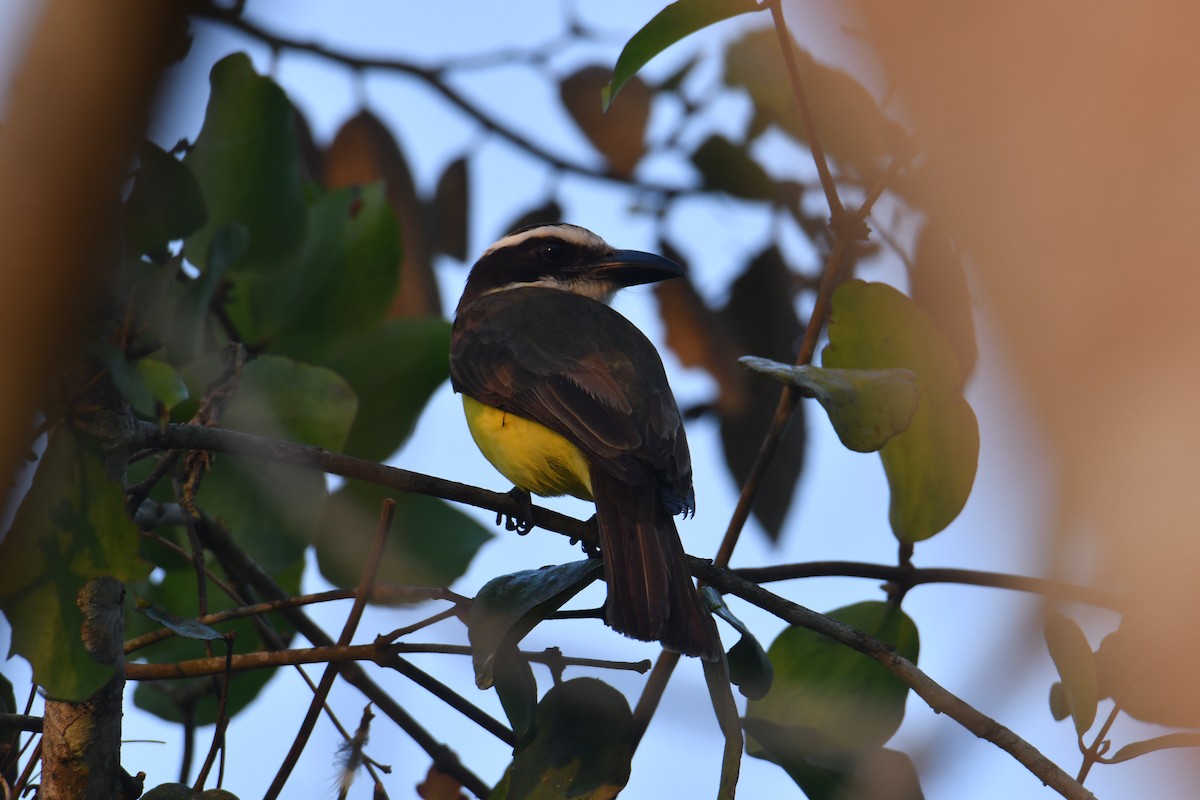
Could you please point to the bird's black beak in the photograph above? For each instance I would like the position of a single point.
(633, 268)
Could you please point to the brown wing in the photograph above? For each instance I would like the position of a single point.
(581, 369)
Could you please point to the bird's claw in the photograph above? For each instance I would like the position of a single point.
(522, 523)
(590, 548)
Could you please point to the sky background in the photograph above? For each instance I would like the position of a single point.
(982, 644)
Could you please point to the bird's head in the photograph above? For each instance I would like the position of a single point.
(564, 257)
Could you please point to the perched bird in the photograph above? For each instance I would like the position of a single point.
(563, 395)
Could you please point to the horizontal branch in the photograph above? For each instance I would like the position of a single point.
(909, 576)
(332, 654)
(382, 593)
(263, 659)
(938, 698)
(179, 436)
(431, 77)
(20, 722)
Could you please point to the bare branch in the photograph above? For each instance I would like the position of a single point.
(197, 437)
(370, 568)
(909, 576)
(937, 697)
(433, 78)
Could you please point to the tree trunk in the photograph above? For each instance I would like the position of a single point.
(81, 742)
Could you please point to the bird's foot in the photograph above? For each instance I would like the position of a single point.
(522, 523)
(590, 548)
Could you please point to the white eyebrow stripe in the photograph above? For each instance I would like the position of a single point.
(602, 291)
(567, 232)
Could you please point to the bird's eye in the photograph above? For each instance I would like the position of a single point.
(553, 253)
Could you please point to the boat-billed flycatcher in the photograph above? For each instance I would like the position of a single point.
(565, 396)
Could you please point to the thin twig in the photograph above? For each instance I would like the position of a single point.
(370, 568)
(786, 45)
(400, 633)
(937, 697)
(451, 698)
(652, 693)
(145, 640)
(27, 773)
(716, 675)
(218, 740)
(788, 399)
(1092, 754)
(431, 77)
(234, 557)
(336, 654)
(917, 576)
(382, 593)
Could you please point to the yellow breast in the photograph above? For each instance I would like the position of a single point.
(528, 453)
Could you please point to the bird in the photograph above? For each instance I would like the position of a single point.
(565, 396)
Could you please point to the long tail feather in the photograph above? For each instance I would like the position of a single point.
(650, 591)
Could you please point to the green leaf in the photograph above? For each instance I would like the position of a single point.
(178, 700)
(165, 203)
(247, 161)
(675, 22)
(581, 747)
(508, 607)
(931, 466)
(273, 509)
(516, 687)
(285, 399)
(145, 383)
(749, 667)
(342, 281)
(432, 543)
(394, 370)
(172, 308)
(727, 167)
(162, 381)
(867, 407)
(71, 526)
(1076, 666)
(825, 772)
(847, 697)
(186, 627)
(184, 323)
